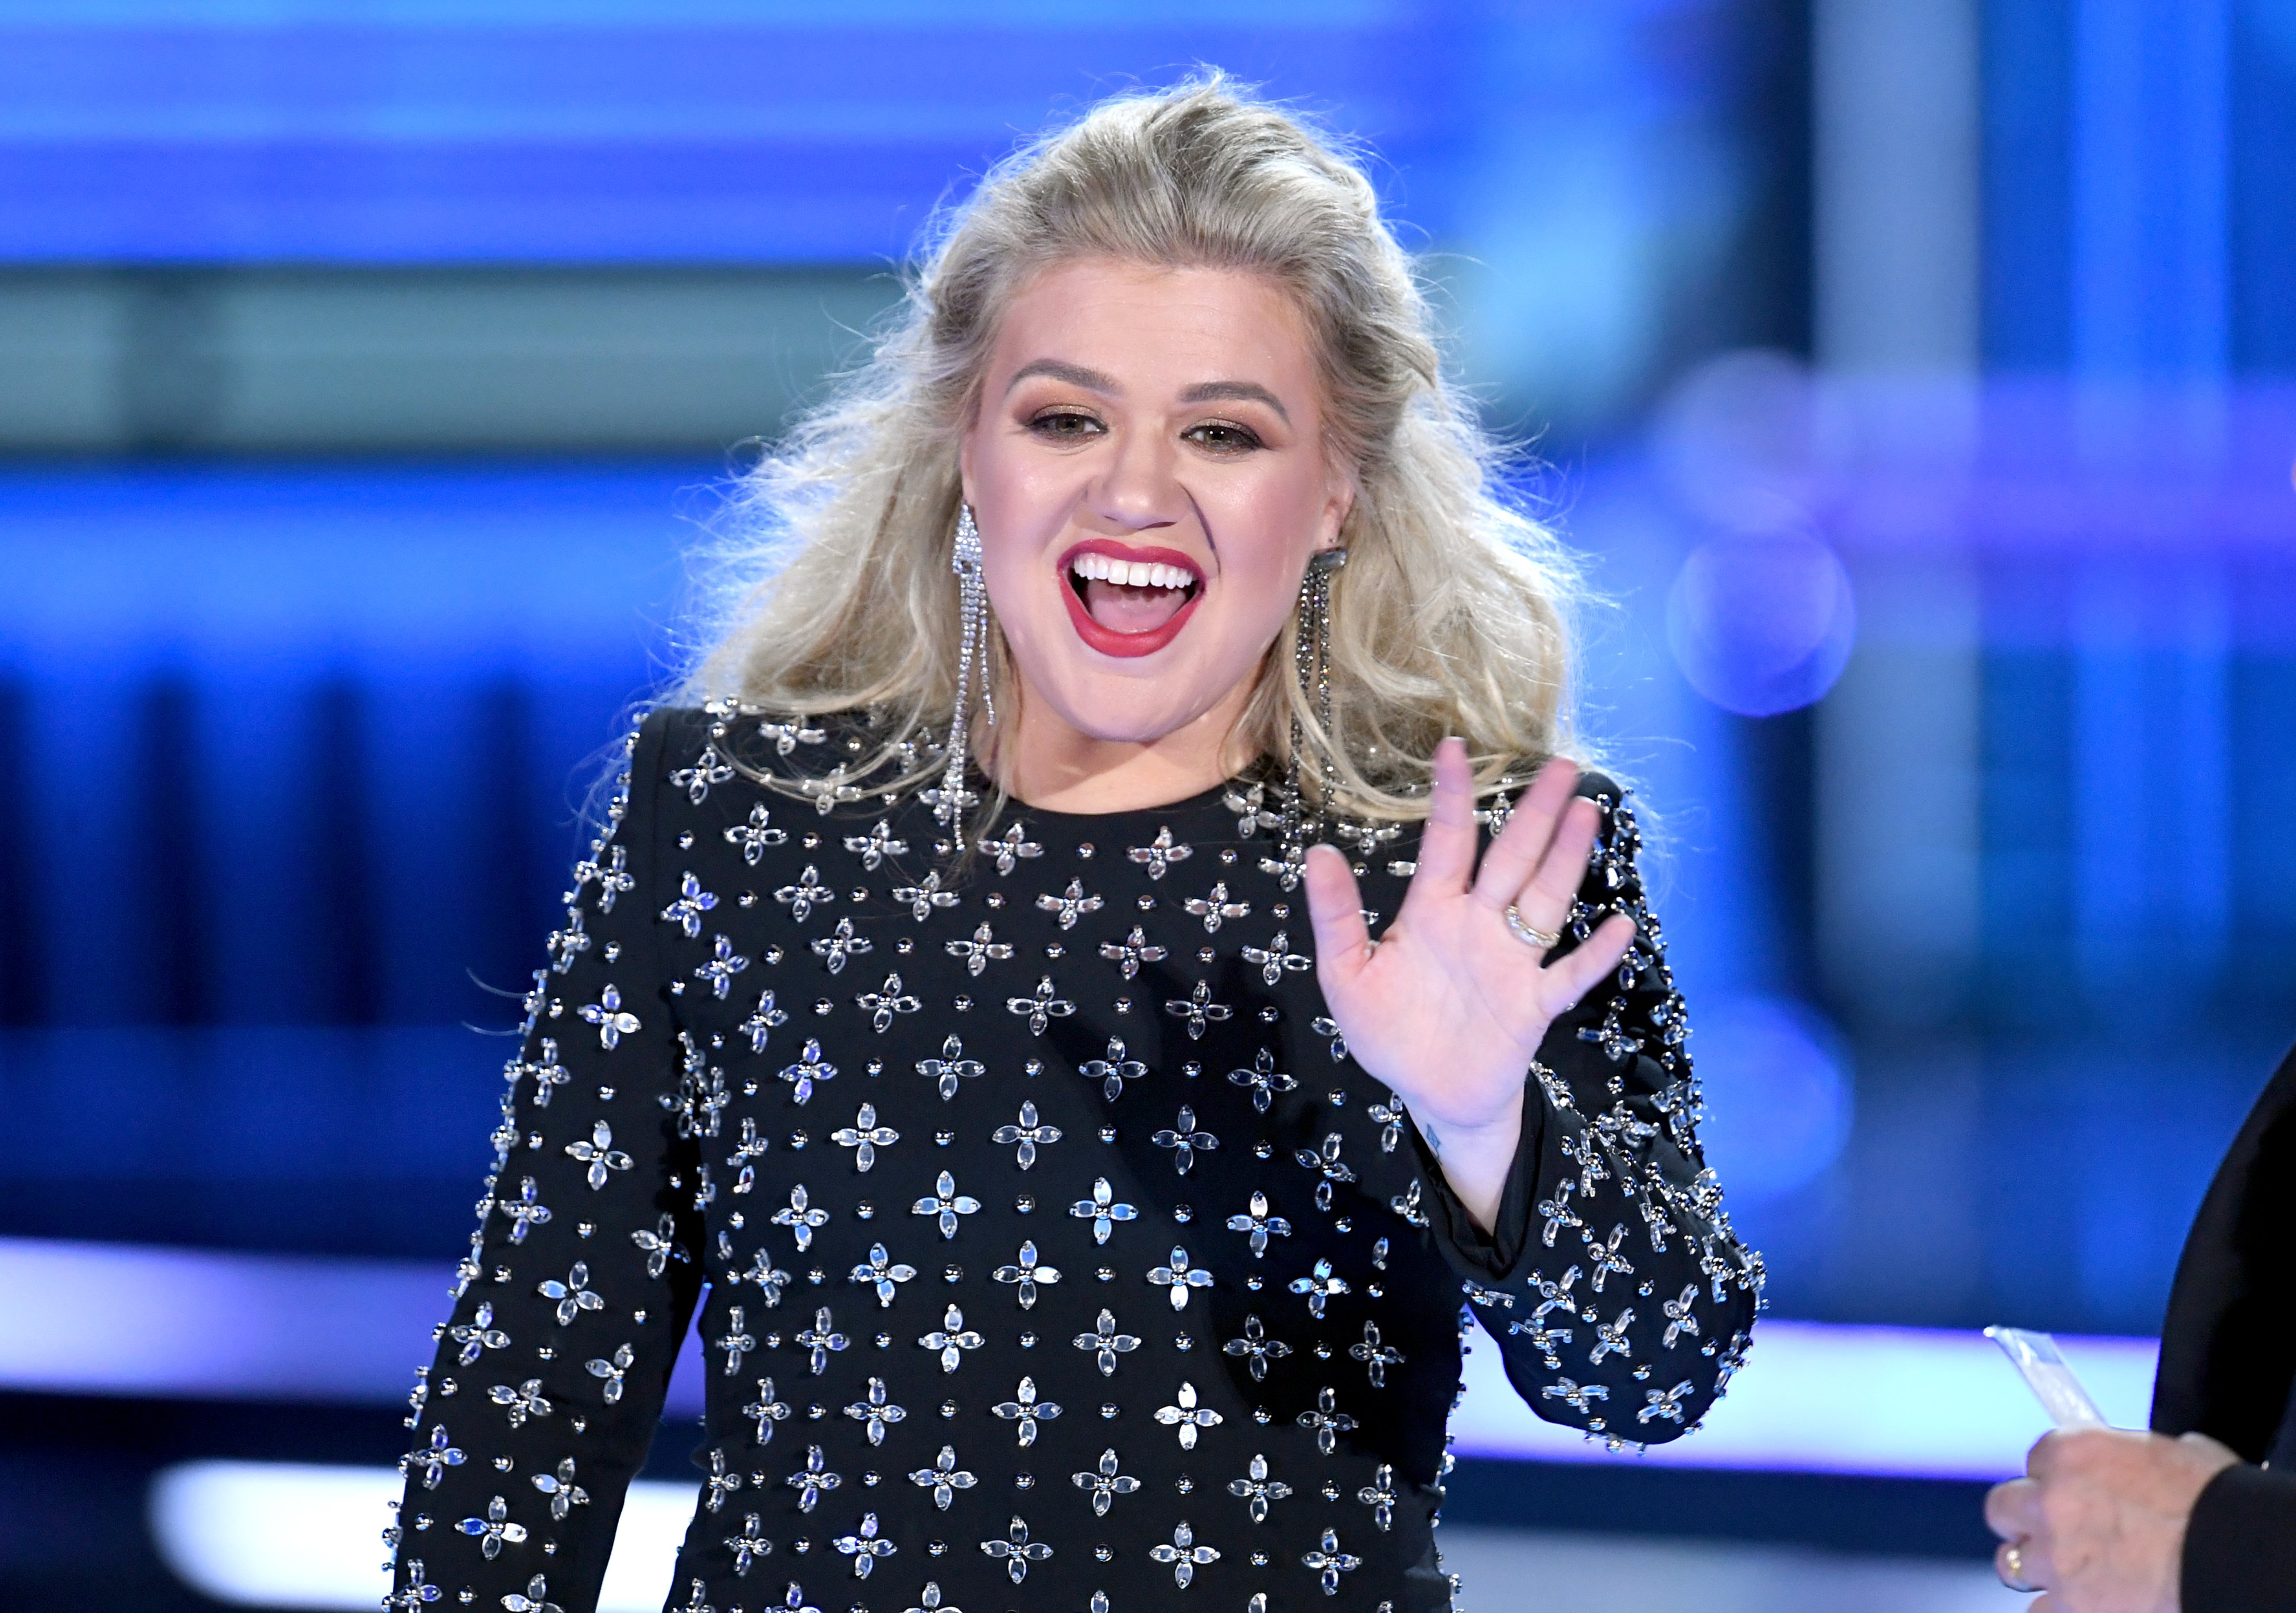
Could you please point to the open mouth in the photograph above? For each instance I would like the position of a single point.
(1129, 601)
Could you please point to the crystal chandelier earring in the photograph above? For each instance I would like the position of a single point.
(1311, 662)
(952, 798)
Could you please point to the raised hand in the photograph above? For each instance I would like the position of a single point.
(1449, 1006)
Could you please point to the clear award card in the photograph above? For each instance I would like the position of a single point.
(2047, 1372)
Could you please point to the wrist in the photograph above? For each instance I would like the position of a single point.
(1477, 1158)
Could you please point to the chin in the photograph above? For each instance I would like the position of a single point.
(1129, 710)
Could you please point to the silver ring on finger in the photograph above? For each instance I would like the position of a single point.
(1529, 934)
(2013, 1567)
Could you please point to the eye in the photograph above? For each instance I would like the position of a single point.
(1223, 436)
(1065, 425)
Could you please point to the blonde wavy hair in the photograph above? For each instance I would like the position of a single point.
(1452, 615)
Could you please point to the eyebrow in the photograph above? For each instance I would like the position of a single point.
(1095, 381)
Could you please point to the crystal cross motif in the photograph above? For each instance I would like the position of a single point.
(1379, 1495)
(433, 1459)
(1330, 1562)
(760, 1026)
(613, 878)
(810, 1067)
(1610, 1339)
(721, 1483)
(1183, 1555)
(1574, 1395)
(873, 847)
(746, 1153)
(1256, 1344)
(1027, 1272)
(1102, 1210)
(723, 965)
(765, 1275)
(525, 1212)
(1258, 1489)
(492, 1530)
(1071, 904)
(1391, 1116)
(1259, 1223)
(613, 1371)
(1106, 1484)
(754, 835)
(1215, 909)
(877, 1413)
(612, 1020)
(536, 1599)
(1326, 1026)
(737, 1341)
(811, 1482)
(1275, 960)
(946, 1071)
(1024, 1137)
(924, 897)
(418, 1593)
(1664, 1403)
(802, 1217)
(1184, 1140)
(561, 1487)
(765, 1410)
(1106, 1343)
(1679, 1319)
(1042, 1007)
(574, 1296)
(1198, 1009)
(952, 1338)
(547, 1072)
(708, 768)
(885, 1001)
(1026, 1409)
(944, 1478)
(1376, 1356)
(864, 1137)
(1325, 1162)
(830, 791)
(1159, 853)
(659, 1246)
(1187, 1415)
(947, 1204)
(1112, 1071)
(839, 944)
(566, 945)
(1016, 1550)
(1251, 809)
(1328, 1421)
(749, 1545)
(1179, 1277)
(1263, 1079)
(883, 1274)
(600, 1154)
(806, 895)
(521, 1403)
(1130, 954)
(1319, 1286)
(692, 902)
(820, 1339)
(481, 1334)
(1010, 848)
(788, 736)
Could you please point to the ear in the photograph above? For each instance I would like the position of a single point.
(1338, 502)
(964, 465)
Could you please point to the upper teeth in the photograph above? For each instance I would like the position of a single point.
(1136, 574)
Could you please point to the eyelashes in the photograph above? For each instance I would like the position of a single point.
(1223, 437)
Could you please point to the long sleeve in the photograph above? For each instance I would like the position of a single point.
(1620, 1296)
(2240, 1547)
(542, 1399)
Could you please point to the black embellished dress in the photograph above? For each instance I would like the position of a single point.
(1055, 1253)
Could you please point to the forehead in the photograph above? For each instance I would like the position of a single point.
(1157, 330)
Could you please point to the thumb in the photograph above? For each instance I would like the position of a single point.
(1335, 913)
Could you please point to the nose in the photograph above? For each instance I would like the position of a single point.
(1137, 491)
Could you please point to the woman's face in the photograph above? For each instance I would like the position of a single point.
(1147, 469)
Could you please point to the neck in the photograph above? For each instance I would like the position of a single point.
(1054, 766)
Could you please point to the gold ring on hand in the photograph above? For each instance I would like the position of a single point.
(1545, 940)
(2013, 1567)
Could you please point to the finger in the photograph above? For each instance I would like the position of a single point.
(1508, 863)
(1447, 847)
(1545, 900)
(1335, 914)
(1567, 979)
(2012, 1510)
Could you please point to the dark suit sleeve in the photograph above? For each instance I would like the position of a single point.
(1621, 1298)
(2240, 1548)
(550, 1374)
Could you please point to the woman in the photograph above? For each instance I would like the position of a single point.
(976, 994)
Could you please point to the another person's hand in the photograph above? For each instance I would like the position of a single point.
(1450, 1006)
(2099, 1521)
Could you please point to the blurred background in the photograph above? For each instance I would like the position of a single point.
(1917, 378)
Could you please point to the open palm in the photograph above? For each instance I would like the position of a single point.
(1449, 1006)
